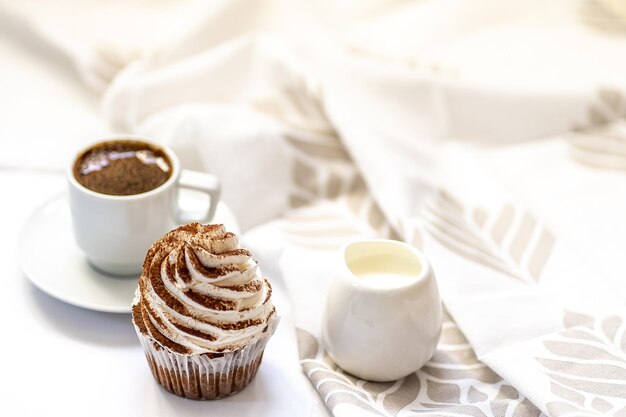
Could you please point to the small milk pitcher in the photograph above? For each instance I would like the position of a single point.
(383, 313)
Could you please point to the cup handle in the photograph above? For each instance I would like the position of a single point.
(199, 181)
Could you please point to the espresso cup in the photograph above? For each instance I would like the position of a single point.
(383, 313)
(115, 231)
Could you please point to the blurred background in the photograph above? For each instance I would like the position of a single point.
(61, 57)
(280, 94)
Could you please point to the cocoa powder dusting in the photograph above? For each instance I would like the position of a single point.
(181, 265)
(209, 272)
(160, 338)
(251, 287)
(138, 319)
(151, 281)
(194, 332)
(211, 302)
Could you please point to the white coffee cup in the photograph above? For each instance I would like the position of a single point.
(383, 313)
(115, 231)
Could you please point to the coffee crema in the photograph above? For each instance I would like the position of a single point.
(122, 167)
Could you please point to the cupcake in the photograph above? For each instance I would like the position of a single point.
(203, 312)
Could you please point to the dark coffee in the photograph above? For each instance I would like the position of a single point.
(122, 167)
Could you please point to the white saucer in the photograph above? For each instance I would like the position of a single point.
(51, 260)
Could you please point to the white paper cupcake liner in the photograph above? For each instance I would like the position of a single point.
(200, 377)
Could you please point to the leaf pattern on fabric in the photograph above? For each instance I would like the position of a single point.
(586, 364)
(511, 242)
(574, 319)
(320, 171)
(598, 16)
(323, 226)
(609, 106)
(327, 225)
(360, 202)
(403, 393)
(601, 142)
(601, 147)
(298, 105)
(307, 344)
(462, 385)
(321, 167)
(453, 383)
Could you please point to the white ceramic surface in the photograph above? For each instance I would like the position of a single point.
(114, 231)
(50, 258)
(383, 314)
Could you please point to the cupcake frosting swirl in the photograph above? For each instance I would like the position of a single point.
(200, 293)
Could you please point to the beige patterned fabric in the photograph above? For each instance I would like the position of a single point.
(601, 143)
(586, 366)
(453, 383)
